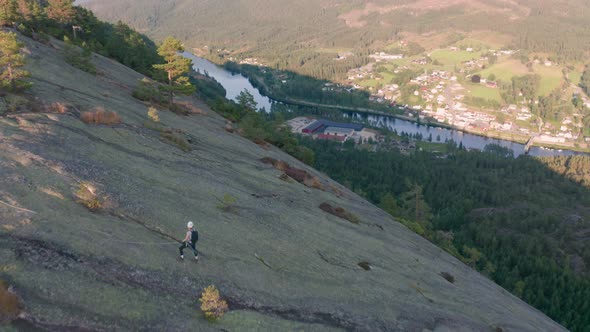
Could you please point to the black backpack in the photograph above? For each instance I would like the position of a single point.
(194, 237)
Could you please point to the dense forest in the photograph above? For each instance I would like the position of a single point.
(522, 222)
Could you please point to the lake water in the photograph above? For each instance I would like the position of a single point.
(235, 83)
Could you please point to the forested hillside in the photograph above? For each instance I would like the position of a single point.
(305, 35)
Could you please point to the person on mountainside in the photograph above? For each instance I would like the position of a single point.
(190, 240)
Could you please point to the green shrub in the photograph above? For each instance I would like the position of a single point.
(79, 58)
(149, 91)
(227, 203)
(177, 140)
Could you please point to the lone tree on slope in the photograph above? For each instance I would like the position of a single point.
(12, 77)
(176, 67)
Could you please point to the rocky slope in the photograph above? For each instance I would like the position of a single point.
(281, 261)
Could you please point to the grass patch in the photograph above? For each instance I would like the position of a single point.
(432, 146)
(340, 213)
(87, 196)
(505, 70)
(299, 175)
(227, 203)
(448, 57)
(369, 83)
(481, 91)
(575, 77)
(551, 79)
(176, 139)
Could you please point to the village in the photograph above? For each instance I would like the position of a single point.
(444, 96)
(457, 86)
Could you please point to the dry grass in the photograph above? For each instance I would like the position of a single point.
(340, 213)
(229, 128)
(190, 107)
(299, 175)
(58, 107)
(87, 195)
(176, 139)
(10, 306)
(100, 116)
(51, 192)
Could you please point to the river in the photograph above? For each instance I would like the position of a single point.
(235, 83)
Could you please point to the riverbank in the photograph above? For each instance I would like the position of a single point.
(264, 96)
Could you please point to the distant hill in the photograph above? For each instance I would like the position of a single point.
(305, 30)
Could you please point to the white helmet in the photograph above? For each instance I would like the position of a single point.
(190, 224)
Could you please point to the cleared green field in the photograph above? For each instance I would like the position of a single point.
(334, 50)
(368, 83)
(387, 77)
(448, 57)
(575, 77)
(433, 146)
(551, 78)
(481, 91)
(505, 70)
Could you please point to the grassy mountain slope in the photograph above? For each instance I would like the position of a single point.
(282, 262)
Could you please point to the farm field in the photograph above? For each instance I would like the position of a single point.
(449, 57)
(505, 70)
(551, 78)
(575, 77)
(481, 91)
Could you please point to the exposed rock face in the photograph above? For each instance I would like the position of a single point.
(280, 261)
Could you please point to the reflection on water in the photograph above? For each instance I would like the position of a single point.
(235, 83)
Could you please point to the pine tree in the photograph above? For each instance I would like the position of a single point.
(62, 11)
(12, 77)
(38, 15)
(246, 100)
(389, 204)
(8, 12)
(176, 68)
(25, 9)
